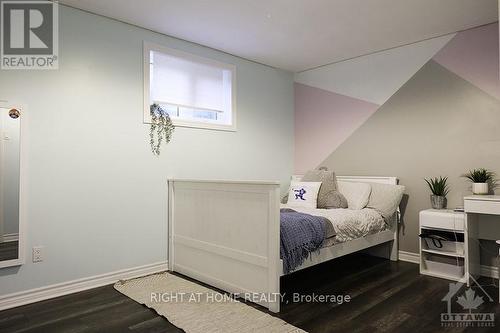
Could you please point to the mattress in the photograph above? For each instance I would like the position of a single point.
(347, 224)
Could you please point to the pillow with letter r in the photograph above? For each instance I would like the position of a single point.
(303, 194)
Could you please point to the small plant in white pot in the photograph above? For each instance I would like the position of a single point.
(440, 189)
(480, 178)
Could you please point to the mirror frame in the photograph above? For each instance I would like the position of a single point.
(22, 186)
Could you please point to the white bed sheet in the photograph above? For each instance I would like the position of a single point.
(348, 224)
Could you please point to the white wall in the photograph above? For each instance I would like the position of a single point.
(96, 195)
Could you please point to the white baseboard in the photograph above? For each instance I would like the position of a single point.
(409, 257)
(489, 271)
(39, 294)
(10, 237)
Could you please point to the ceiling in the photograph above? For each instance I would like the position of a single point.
(298, 34)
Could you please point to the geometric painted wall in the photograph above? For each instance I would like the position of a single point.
(437, 124)
(442, 120)
(323, 120)
(473, 55)
(331, 102)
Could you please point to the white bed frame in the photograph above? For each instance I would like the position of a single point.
(226, 234)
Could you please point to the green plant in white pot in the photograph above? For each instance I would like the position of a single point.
(480, 178)
(440, 189)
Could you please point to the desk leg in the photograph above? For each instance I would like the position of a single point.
(472, 264)
(498, 242)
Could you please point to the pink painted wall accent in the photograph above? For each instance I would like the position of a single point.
(323, 120)
(473, 55)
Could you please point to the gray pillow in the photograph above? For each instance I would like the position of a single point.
(328, 196)
(284, 200)
(385, 198)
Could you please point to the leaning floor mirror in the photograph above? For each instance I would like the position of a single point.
(11, 235)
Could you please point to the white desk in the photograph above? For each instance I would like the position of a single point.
(482, 204)
(487, 209)
(484, 210)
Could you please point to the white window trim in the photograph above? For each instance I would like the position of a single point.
(148, 47)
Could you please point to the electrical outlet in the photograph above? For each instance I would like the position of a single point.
(37, 253)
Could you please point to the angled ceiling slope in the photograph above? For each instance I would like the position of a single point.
(377, 76)
(297, 35)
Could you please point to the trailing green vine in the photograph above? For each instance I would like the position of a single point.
(161, 125)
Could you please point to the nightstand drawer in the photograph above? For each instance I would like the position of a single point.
(442, 219)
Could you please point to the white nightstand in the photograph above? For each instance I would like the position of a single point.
(456, 258)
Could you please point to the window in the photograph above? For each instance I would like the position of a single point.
(195, 91)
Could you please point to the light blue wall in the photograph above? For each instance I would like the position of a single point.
(96, 195)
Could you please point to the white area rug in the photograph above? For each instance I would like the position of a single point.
(195, 308)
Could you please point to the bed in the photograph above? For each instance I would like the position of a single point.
(227, 234)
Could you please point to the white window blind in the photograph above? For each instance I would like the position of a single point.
(191, 89)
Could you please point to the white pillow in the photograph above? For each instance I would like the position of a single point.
(303, 194)
(357, 194)
(385, 198)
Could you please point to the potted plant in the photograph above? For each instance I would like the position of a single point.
(440, 190)
(480, 179)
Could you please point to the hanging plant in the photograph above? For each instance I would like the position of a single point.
(161, 125)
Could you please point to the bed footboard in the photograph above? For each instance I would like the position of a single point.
(226, 234)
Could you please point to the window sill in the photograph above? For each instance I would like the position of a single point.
(200, 125)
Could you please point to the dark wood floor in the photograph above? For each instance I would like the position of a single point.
(386, 297)
(8, 250)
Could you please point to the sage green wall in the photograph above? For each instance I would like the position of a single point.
(436, 124)
(96, 197)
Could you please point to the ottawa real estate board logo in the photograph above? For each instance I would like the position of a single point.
(30, 35)
(472, 301)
